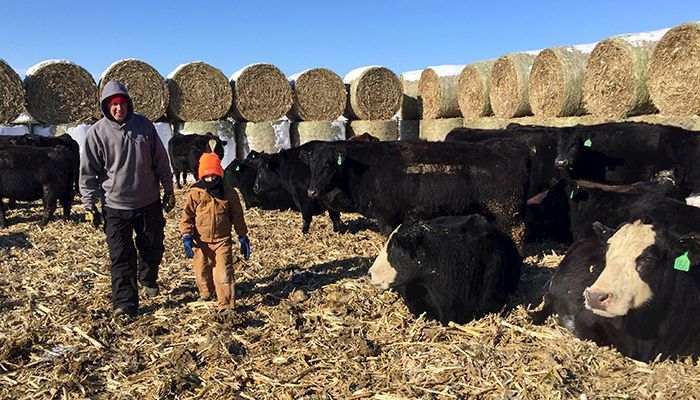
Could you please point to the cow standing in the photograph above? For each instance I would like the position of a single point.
(33, 173)
(242, 174)
(185, 151)
(453, 268)
(286, 171)
(391, 181)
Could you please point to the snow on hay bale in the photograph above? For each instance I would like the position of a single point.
(435, 130)
(318, 94)
(439, 92)
(615, 85)
(674, 71)
(374, 93)
(556, 81)
(509, 78)
(269, 136)
(198, 92)
(474, 84)
(60, 92)
(306, 131)
(411, 108)
(146, 86)
(261, 92)
(387, 129)
(11, 93)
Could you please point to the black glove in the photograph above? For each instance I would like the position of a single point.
(168, 202)
(245, 246)
(93, 216)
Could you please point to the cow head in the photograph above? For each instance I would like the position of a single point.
(267, 172)
(215, 145)
(327, 165)
(641, 260)
(570, 145)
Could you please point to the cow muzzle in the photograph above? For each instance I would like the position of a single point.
(313, 193)
(597, 299)
(562, 163)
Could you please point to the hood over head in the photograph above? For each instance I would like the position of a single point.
(110, 89)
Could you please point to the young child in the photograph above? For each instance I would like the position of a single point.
(211, 209)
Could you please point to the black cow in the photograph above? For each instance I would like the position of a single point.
(635, 289)
(185, 151)
(542, 142)
(628, 152)
(242, 174)
(453, 268)
(390, 181)
(567, 210)
(32, 173)
(648, 294)
(285, 170)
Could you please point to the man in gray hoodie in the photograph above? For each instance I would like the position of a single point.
(123, 165)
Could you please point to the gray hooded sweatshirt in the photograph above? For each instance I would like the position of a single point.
(123, 165)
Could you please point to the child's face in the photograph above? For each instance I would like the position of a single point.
(209, 178)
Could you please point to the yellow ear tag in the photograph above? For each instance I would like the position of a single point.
(682, 263)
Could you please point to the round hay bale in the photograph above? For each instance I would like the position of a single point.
(270, 137)
(198, 92)
(261, 92)
(411, 108)
(438, 89)
(11, 94)
(674, 71)
(146, 86)
(473, 86)
(435, 130)
(615, 85)
(409, 130)
(306, 131)
(385, 130)
(508, 92)
(556, 82)
(318, 94)
(374, 93)
(60, 92)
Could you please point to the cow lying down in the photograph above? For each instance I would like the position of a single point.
(637, 289)
(453, 268)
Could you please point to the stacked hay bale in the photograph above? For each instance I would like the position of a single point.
(318, 99)
(674, 71)
(509, 85)
(261, 96)
(374, 97)
(11, 94)
(439, 94)
(474, 87)
(555, 85)
(615, 85)
(59, 92)
(409, 123)
(146, 86)
(200, 98)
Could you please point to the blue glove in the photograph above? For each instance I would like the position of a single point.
(189, 244)
(245, 246)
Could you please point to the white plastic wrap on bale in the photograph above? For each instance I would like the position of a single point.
(279, 128)
(13, 130)
(165, 132)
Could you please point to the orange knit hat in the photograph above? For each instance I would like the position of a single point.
(210, 164)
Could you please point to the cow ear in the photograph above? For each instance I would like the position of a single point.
(603, 232)
(691, 243)
(305, 156)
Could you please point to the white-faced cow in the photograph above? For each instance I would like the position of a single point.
(454, 268)
(185, 151)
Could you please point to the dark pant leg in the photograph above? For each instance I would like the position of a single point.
(122, 254)
(149, 225)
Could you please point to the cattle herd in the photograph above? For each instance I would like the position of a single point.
(459, 213)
